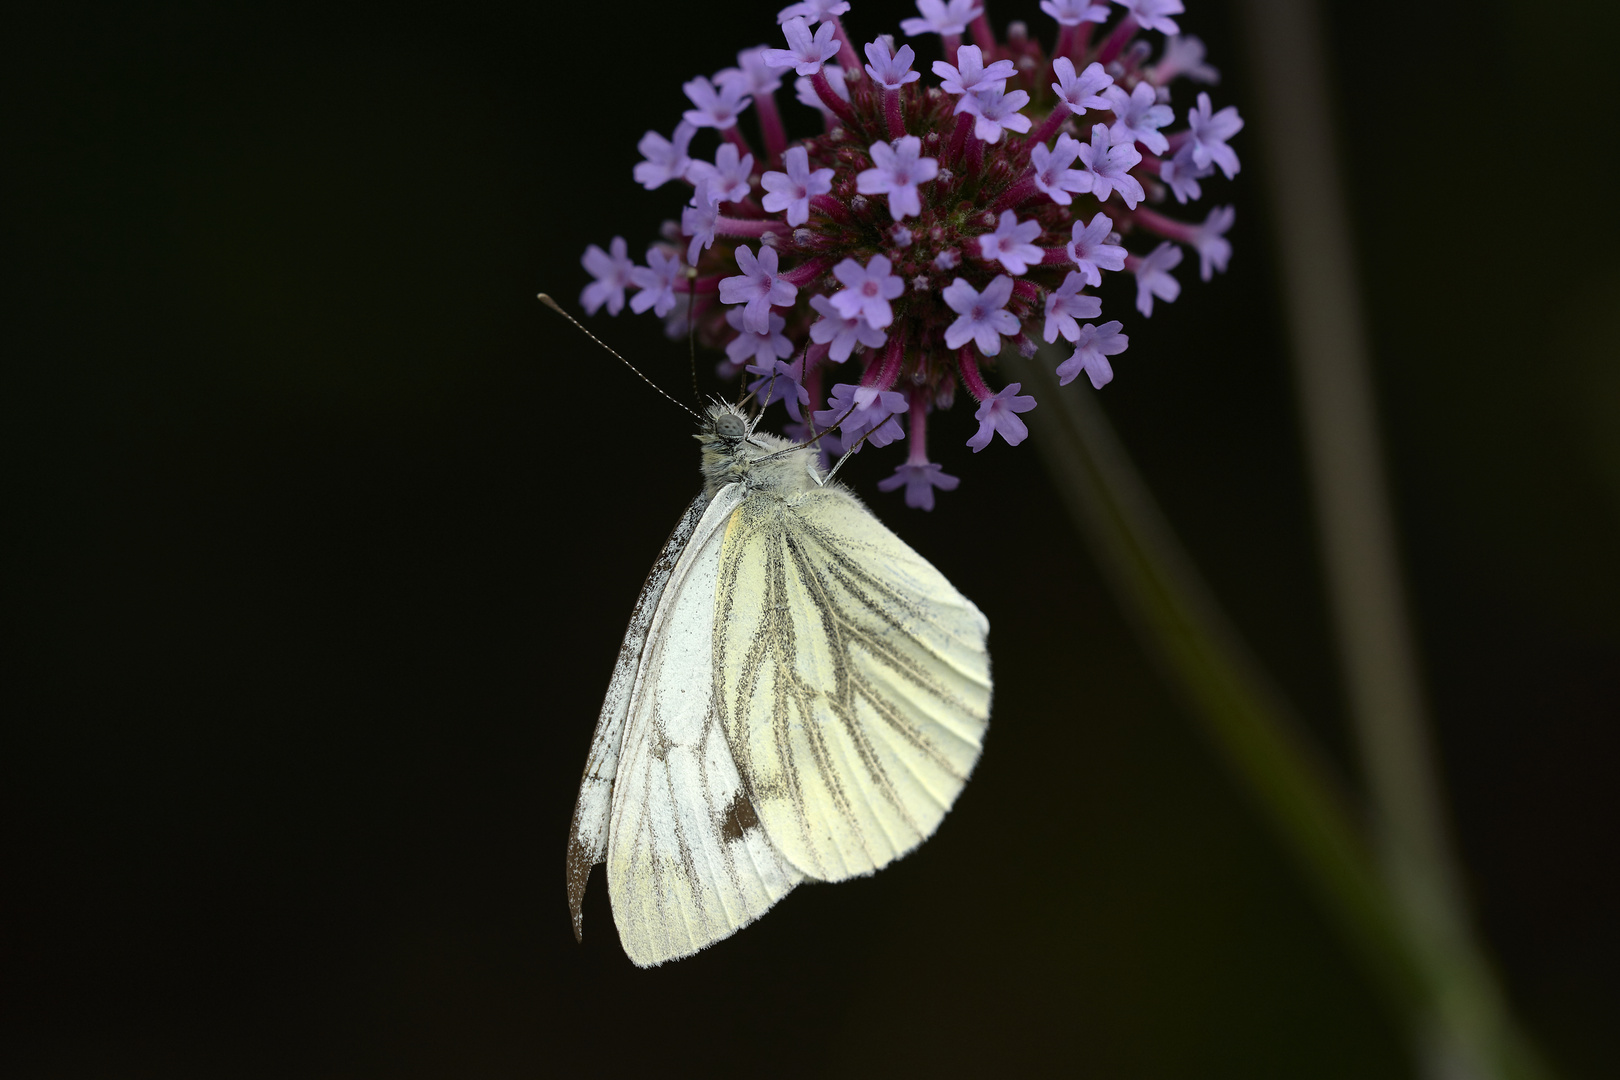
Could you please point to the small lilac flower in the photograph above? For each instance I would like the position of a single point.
(1083, 91)
(873, 411)
(716, 108)
(867, 292)
(940, 18)
(758, 286)
(1010, 244)
(949, 259)
(1214, 249)
(764, 346)
(612, 274)
(1138, 116)
(728, 176)
(1183, 174)
(666, 158)
(1066, 305)
(1154, 14)
(994, 112)
(813, 11)
(805, 90)
(898, 168)
(699, 219)
(969, 75)
(656, 281)
(781, 382)
(841, 334)
(999, 414)
(889, 68)
(1110, 167)
(1075, 12)
(1209, 135)
(1092, 250)
(1092, 348)
(804, 54)
(791, 191)
(752, 74)
(982, 317)
(1052, 173)
(1183, 58)
(920, 479)
(1153, 277)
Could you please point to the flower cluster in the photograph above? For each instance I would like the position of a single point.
(927, 227)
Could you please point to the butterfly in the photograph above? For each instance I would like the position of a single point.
(799, 696)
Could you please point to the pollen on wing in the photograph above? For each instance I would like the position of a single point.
(870, 249)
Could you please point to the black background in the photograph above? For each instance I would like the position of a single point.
(321, 535)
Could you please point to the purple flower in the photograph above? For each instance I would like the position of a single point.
(1183, 57)
(981, 317)
(804, 54)
(999, 414)
(1092, 250)
(764, 346)
(1052, 173)
(752, 74)
(781, 382)
(969, 75)
(938, 18)
(1010, 243)
(920, 479)
(1154, 14)
(715, 108)
(666, 158)
(728, 176)
(898, 169)
(1214, 249)
(656, 281)
(612, 274)
(1066, 305)
(805, 91)
(1075, 12)
(994, 112)
(699, 219)
(1081, 92)
(1092, 348)
(791, 191)
(1182, 173)
(1209, 135)
(873, 411)
(841, 334)
(1110, 167)
(867, 292)
(949, 259)
(813, 11)
(888, 68)
(1153, 277)
(758, 287)
(1138, 116)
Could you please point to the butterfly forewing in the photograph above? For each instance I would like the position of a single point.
(855, 683)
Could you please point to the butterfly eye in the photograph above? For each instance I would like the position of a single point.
(730, 426)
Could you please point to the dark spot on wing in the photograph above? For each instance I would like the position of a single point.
(740, 817)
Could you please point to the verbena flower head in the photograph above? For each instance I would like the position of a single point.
(867, 272)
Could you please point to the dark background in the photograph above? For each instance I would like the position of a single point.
(321, 535)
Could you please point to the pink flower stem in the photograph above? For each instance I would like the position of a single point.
(831, 207)
(829, 97)
(1082, 42)
(698, 285)
(1049, 126)
(964, 124)
(1149, 164)
(984, 37)
(1019, 193)
(806, 272)
(734, 135)
(770, 125)
(917, 428)
(891, 109)
(730, 226)
(846, 52)
(1175, 139)
(812, 378)
(952, 43)
(969, 369)
(893, 358)
(1117, 40)
(1169, 228)
(1055, 256)
(1065, 42)
(1026, 290)
(975, 155)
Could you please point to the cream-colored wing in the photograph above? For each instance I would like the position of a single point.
(854, 677)
(687, 860)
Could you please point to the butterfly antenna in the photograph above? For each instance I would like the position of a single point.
(552, 304)
(834, 426)
(840, 463)
(691, 329)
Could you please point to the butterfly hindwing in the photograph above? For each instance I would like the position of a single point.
(854, 681)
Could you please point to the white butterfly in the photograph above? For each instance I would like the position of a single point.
(799, 695)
